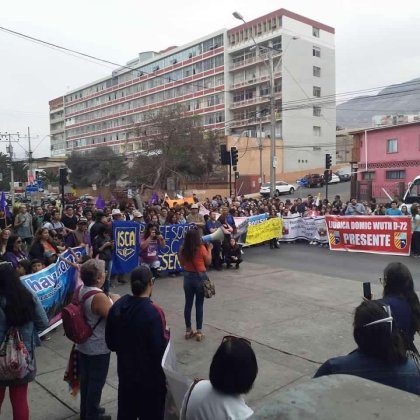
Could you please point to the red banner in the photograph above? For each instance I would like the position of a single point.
(374, 234)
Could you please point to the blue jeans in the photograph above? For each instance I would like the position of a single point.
(93, 373)
(193, 286)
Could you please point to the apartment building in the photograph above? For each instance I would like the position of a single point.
(223, 78)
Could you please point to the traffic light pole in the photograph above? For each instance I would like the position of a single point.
(230, 180)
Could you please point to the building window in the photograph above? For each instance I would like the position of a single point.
(317, 130)
(316, 51)
(395, 174)
(392, 146)
(368, 176)
(316, 71)
(315, 32)
(317, 91)
(316, 111)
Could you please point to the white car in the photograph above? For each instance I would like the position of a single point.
(335, 179)
(281, 188)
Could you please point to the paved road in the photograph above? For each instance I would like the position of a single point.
(342, 265)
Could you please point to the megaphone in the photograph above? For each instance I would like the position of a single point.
(215, 236)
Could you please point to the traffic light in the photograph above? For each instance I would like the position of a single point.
(63, 176)
(224, 155)
(234, 155)
(328, 161)
(236, 175)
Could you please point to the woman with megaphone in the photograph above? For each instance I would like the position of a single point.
(194, 256)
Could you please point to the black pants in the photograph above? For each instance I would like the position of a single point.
(231, 261)
(215, 254)
(137, 401)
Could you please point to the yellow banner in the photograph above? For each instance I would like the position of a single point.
(264, 231)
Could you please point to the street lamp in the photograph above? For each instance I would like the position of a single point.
(273, 157)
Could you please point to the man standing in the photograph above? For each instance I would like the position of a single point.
(211, 226)
(69, 219)
(136, 331)
(23, 225)
(394, 210)
(355, 209)
(196, 218)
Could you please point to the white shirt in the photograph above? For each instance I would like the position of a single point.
(206, 403)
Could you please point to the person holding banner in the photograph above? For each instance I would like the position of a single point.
(415, 240)
(194, 257)
(21, 309)
(150, 243)
(211, 227)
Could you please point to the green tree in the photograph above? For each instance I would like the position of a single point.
(175, 147)
(19, 171)
(100, 166)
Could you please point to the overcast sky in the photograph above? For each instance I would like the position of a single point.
(377, 44)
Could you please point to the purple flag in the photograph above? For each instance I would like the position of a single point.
(154, 199)
(100, 203)
(4, 206)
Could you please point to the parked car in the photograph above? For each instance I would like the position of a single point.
(344, 177)
(311, 180)
(335, 179)
(281, 188)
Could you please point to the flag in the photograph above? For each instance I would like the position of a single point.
(100, 203)
(4, 206)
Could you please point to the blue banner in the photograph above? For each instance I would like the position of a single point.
(55, 284)
(126, 249)
(168, 255)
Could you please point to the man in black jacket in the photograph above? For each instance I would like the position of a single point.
(136, 331)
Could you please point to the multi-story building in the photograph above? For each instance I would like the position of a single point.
(224, 79)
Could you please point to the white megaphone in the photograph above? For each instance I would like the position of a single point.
(215, 236)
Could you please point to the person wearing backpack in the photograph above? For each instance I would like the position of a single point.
(94, 354)
(21, 316)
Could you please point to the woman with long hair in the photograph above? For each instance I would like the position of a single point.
(399, 294)
(194, 257)
(415, 239)
(14, 250)
(21, 309)
(42, 243)
(381, 353)
(150, 243)
(4, 237)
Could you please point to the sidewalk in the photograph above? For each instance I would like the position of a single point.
(295, 321)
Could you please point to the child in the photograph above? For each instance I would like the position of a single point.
(24, 268)
(36, 265)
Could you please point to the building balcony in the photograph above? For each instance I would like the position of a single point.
(56, 130)
(251, 61)
(248, 122)
(254, 101)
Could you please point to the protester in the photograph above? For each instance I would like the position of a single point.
(14, 251)
(137, 332)
(211, 227)
(196, 218)
(42, 242)
(80, 236)
(381, 354)
(35, 264)
(399, 294)
(23, 225)
(232, 373)
(94, 354)
(4, 237)
(102, 248)
(19, 309)
(194, 257)
(150, 243)
(69, 219)
(24, 268)
(233, 254)
(393, 210)
(355, 209)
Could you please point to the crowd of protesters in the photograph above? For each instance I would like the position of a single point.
(135, 327)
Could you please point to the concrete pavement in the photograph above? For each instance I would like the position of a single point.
(296, 321)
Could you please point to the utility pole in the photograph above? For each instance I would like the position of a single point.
(9, 149)
(260, 147)
(273, 157)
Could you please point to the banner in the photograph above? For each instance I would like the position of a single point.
(373, 234)
(307, 228)
(126, 249)
(241, 224)
(263, 230)
(55, 284)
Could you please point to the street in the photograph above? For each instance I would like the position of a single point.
(295, 304)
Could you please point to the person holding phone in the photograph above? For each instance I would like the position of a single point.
(150, 243)
(355, 209)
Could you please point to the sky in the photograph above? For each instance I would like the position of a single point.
(376, 45)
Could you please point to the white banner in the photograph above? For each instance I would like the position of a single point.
(308, 228)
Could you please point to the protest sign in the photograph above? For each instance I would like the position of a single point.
(126, 249)
(54, 285)
(168, 255)
(372, 234)
(307, 228)
(264, 230)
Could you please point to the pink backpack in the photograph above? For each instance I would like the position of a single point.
(74, 322)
